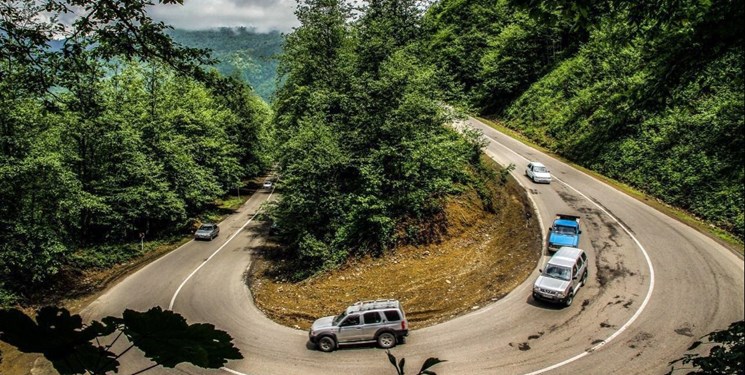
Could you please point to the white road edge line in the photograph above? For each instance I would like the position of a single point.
(173, 300)
(644, 252)
(232, 371)
(552, 367)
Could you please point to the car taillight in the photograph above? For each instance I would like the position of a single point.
(403, 324)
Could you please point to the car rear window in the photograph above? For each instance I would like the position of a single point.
(392, 315)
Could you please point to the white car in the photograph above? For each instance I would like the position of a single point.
(538, 172)
(268, 184)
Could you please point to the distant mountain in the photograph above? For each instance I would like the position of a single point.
(241, 52)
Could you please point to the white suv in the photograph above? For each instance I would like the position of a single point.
(380, 321)
(564, 274)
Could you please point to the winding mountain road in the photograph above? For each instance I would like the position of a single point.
(656, 285)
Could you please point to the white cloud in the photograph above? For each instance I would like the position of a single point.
(262, 15)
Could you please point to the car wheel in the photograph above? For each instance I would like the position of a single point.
(326, 344)
(569, 300)
(386, 340)
(584, 278)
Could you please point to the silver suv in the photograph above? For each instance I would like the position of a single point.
(564, 274)
(380, 321)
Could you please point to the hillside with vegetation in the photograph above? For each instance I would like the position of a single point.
(367, 155)
(114, 137)
(119, 138)
(650, 93)
(241, 53)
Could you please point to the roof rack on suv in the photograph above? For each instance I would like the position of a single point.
(376, 304)
(382, 321)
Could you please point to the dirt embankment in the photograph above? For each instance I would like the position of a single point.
(483, 256)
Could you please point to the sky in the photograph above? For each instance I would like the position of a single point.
(262, 15)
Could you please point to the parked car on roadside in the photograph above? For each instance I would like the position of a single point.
(538, 172)
(562, 277)
(207, 231)
(380, 321)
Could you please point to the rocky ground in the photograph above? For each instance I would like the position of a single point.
(483, 257)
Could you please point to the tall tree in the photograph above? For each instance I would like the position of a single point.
(385, 26)
(364, 146)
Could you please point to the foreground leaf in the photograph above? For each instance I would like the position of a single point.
(60, 337)
(167, 339)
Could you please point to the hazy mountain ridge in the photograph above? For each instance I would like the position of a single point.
(240, 51)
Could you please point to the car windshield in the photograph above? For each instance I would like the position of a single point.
(339, 318)
(205, 227)
(558, 272)
(539, 169)
(560, 229)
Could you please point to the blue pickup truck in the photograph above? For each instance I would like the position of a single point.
(564, 232)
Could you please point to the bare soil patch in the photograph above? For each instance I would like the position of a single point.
(483, 256)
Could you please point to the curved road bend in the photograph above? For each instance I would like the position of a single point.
(655, 286)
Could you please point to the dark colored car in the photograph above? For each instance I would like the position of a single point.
(207, 231)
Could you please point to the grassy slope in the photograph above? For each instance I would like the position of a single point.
(676, 137)
(719, 235)
(482, 257)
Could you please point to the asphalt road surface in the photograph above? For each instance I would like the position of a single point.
(655, 286)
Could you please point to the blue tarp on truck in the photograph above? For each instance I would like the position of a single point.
(564, 232)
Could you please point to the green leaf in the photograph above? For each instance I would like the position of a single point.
(167, 339)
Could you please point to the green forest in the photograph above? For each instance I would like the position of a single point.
(113, 135)
(648, 92)
(129, 128)
(365, 147)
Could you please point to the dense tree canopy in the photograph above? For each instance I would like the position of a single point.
(140, 152)
(647, 92)
(365, 150)
(115, 131)
(96, 151)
